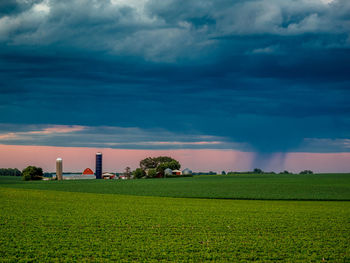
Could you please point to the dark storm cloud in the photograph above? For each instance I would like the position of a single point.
(11, 7)
(272, 74)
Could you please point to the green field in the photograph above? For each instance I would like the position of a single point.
(258, 187)
(82, 223)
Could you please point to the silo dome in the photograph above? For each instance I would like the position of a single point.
(186, 172)
(168, 171)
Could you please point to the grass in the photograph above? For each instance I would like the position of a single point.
(54, 226)
(258, 187)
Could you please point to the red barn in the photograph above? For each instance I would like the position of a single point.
(88, 171)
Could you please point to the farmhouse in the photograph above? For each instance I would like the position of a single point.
(108, 176)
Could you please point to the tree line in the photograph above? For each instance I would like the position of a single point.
(10, 172)
(259, 171)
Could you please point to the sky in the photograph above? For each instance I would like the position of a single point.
(217, 84)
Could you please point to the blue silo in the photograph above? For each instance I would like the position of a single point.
(98, 170)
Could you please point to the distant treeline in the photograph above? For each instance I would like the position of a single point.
(49, 174)
(10, 172)
(259, 171)
(206, 173)
(255, 171)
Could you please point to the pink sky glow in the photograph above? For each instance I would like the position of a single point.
(76, 159)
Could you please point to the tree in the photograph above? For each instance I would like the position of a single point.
(32, 173)
(161, 167)
(139, 173)
(150, 162)
(127, 172)
(284, 172)
(159, 163)
(173, 165)
(152, 173)
(164, 159)
(306, 172)
(258, 171)
(223, 173)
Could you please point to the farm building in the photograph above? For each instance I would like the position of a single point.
(168, 171)
(159, 175)
(59, 169)
(177, 172)
(88, 171)
(187, 172)
(98, 165)
(108, 176)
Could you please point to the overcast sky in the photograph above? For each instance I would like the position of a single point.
(261, 76)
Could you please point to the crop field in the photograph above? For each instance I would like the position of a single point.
(47, 225)
(258, 187)
(38, 225)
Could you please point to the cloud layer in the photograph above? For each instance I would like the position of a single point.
(264, 75)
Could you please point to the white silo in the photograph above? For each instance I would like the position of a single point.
(168, 172)
(59, 169)
(187, 172)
